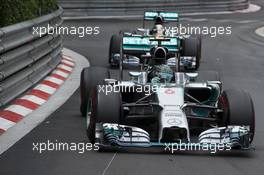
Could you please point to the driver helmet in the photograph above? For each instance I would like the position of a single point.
(158, 30)
(162, 73)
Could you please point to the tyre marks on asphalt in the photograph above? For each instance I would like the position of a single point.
(23, 106)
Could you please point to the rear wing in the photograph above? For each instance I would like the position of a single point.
(168, 16)
(144, 44)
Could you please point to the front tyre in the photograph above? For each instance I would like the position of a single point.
(238, 109)
(103, 108)
(90, 78)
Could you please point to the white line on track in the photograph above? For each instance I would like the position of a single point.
(18, 109)
(45, 88)
(67, 62)
(54, 80)
(5, 124)
(68, 58)
(110, 162)
(65, 67)
(34, 99)
(63, 74)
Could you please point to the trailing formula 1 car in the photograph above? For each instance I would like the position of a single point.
(141, 41)
(161, 105)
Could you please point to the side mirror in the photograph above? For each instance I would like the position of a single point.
(191, 76)
(139, 77)
(110, 81)
(134, 74)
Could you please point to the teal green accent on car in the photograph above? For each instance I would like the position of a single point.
(118, 133)
(144, 43)
(211, 101)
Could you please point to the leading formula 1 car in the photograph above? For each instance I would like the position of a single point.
(140, 42)
(161, 105)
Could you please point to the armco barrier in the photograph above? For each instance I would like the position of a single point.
(26, 58)
(136, 7)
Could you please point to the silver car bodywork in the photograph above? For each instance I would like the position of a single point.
(172, 118)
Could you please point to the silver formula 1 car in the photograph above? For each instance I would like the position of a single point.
(187, 109)
(161, 105)
(141, 42)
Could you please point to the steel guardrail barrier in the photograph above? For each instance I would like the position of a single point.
(135, 7)
(26, 57)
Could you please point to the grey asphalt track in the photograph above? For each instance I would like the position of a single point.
(239, 58)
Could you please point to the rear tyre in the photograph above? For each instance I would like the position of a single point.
(238, 109)
(192, 47)
(114, 48)
(103, 108)
(90, 78)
